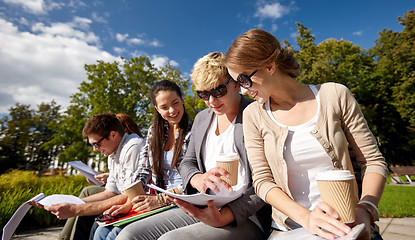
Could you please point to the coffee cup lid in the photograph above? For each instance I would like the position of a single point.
(334, 175)
(227, 157)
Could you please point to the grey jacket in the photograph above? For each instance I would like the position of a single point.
(249, 203)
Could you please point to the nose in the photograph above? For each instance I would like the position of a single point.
(172, 110)
(244, 91)
(212, 99)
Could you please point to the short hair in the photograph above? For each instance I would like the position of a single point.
(208, 70)
(256, 48)
(102, 124)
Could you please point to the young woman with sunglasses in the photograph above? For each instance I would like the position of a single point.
(294, 131)
(217, 129)
(166, 144)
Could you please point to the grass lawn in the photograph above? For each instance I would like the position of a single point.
(397, 201)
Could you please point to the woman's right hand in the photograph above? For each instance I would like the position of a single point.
(208, 180)
(145, 202)
(325, 217)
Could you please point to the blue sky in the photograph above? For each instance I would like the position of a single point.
(44, 44)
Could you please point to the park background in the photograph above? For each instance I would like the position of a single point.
(37, 137)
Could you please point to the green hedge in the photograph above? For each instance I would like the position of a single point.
(16, 187)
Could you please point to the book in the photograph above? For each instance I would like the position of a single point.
(302, 233)
(201, 199)
(133, 216)
(18, 215)
(87, 171)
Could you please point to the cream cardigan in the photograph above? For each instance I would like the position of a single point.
(340, 123)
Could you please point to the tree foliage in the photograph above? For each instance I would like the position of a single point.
(22, 135)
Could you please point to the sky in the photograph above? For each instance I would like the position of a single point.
(44, 44)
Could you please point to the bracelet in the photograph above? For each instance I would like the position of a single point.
(369, 206)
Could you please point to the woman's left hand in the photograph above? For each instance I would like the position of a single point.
(209, 215)
(362, 216)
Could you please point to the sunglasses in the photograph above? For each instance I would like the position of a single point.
(244, 80)
(217, 92)
(96, 144)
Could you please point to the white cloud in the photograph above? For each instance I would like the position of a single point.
(135, 41)
(121, 37)
(274, 27)
(160, 61)
(271, 10)
(155, 43)
(119, 50)
(46, 64)
(99, 19)
(36, 6)
(358, 33)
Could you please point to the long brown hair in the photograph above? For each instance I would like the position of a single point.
(130, 126)
(159, 122)
(256, 48)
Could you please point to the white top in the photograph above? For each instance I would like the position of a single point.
(171, 177)
(123, 163)
(305, 158)
(219, 144)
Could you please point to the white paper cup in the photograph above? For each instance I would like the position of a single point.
(229, 162)
(134, 190)
(337, 189)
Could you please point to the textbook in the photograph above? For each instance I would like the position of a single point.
(87, 171)
(17, 217)
(201, 199)
(131, 216)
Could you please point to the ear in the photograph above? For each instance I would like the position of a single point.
(113, 134)
(272, 68)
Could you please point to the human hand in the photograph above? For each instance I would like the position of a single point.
(325, 217)
(362, 216)
(117, 209)
(102, 177)
(209, 180)
(36, 204)
(145, 202)
(209, 215)
(62, 210)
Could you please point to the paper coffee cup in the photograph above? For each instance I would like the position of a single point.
(134, 190)
(337, 189)
(229, 162)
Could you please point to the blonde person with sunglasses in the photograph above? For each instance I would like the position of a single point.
(294, 131)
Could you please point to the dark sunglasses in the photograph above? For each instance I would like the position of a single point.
(217, 92)
(96, 144)
(244, 80)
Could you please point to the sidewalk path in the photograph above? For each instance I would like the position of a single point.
(390, 229)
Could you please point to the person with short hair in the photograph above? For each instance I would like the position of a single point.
(294, 131)
(216, 130)
(106, 134)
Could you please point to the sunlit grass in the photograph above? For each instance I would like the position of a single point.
(16, 187)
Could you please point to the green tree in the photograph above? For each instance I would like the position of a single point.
(395, 74)
(15, 137)
(23, 133)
